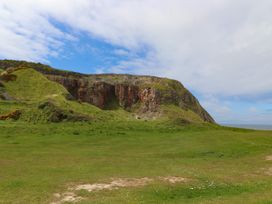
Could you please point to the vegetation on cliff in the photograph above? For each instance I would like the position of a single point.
(123, 97)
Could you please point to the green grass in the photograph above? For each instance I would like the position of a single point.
(179, 116)
(225, 165)
(38, 159)
(33, 86)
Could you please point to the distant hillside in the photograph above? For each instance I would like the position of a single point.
(42, 93)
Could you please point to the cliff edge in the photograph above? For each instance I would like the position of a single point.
(145, 97)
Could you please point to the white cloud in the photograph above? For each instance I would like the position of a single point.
(26, 33)
(121, 52)
(216, 47)
(213, 46)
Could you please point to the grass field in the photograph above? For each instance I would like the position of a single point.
(221, 165)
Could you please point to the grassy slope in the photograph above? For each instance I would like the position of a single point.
(31, 88)
(178, 115)
(168, 88)
(226, 165)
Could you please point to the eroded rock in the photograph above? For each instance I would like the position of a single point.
(127, 92)
(15, 115)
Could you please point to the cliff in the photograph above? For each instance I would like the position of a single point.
(146, 96)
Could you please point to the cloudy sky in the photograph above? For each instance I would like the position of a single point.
(220, 49)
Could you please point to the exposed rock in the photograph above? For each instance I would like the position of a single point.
(99, 94)
(150, 98)
(5, 76)
(15, 115)
(127, 95)
(107, 91)
(103, 92)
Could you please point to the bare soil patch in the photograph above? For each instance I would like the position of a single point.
(115, 184)
(173, 179)
(70, 195)
(268, 158)
(66, 197)
(269, 171)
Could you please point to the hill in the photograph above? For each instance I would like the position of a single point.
(57, 95)
(120, 139)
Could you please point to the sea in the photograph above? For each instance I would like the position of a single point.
(250, 126)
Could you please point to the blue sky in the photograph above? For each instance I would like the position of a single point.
(221, 50)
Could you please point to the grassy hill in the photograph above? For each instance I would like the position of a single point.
(154, 144)
(41, 100)
(29, 85)
(43, 94)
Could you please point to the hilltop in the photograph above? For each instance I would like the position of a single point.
(37, 92)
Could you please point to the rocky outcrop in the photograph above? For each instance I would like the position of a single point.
(12, 115)
(102, 92)
(126, 95)
(109, 91)
(150, 98)
(97, 93)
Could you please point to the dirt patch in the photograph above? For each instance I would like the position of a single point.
(70, 195)
(268, 172)
(173, 179)
(268, 158)
(66, 197)
(115, 184)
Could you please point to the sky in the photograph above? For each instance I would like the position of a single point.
(221, 50)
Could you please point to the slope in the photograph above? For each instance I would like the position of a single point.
(121, 97)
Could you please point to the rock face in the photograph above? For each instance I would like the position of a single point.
(126, 95)
(145, 94)
(101, 94)
(127, 91)
(150, 99)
